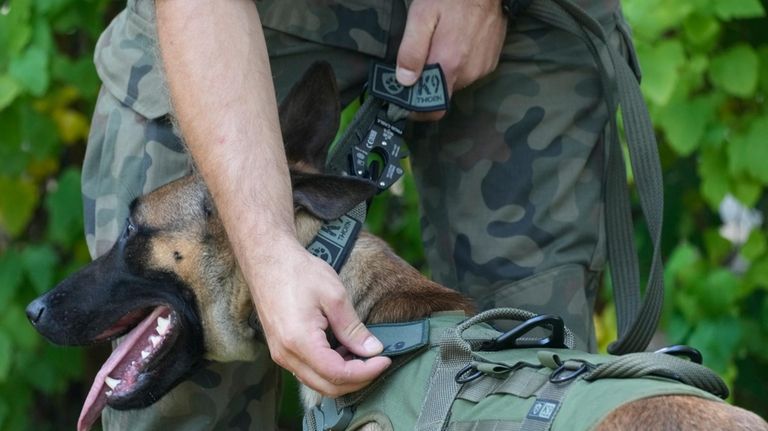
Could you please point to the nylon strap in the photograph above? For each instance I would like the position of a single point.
(490, 425)
(544, 409)
(442, 389)
(637, 318)
(521, 383)
(637, 365)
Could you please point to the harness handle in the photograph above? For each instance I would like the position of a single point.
(561, 336)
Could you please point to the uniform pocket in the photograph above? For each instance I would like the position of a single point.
(128, 63)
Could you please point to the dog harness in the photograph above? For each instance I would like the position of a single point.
(450, 373)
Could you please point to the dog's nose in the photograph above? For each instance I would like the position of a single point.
(35, 311)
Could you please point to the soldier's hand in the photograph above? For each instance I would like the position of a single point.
(464, 36)
(298, 297)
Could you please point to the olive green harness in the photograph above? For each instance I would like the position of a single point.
(451, 373)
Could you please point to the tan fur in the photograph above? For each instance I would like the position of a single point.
(680, 413)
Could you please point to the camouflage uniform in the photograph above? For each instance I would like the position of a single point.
(510, 181)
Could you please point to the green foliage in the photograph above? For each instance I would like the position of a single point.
(47, 91)
(705, 64)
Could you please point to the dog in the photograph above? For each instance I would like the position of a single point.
(170, 285)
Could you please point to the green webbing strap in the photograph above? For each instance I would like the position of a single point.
(544, 409)
(522, 383)
(455, 354)
(489, 425)
(637, 318)
(638, 365)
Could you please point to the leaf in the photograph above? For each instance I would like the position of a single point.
(64, 205)
(39, 263)
(684, 123)
(81, 73)
(738, 9)
(660, 69)
(14, 160)
(714, 176)
(31, 70)
(746, 190)
(9, 89)
(736, 71)
(10, 277)
(701, 30)
(717, 340)
(17, 205)
(15, 29)
(716, 295)
(718, 248)
(762, 53)
(756, 147)
(15, 325)
(755, 245)
(6, 354)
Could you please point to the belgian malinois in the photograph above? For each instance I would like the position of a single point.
(171, 288)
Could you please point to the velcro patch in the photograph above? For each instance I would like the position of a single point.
(543, 410)
(400, 338)
(428, 94)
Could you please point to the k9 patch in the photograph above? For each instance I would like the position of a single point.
(429, 93)
(543, 410)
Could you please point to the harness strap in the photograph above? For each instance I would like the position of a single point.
(637, 318)
(522, 383)
(491, 425)
(544, 410)
(442, 389)
(638, 365)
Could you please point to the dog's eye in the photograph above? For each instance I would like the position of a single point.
(130, 228)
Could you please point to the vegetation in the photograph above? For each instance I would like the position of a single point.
(705, 66)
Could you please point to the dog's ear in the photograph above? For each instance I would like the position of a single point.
(328, 197)
(309, 116)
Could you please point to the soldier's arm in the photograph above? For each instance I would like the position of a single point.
(464, 36)
(221, 87)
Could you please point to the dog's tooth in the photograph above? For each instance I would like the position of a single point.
(162, 325)
(155, 340)
(144, 354)
(108, 393)
(112, 382)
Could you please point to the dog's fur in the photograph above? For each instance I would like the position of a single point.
(175, 254)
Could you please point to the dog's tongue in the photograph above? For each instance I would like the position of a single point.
(128, 350)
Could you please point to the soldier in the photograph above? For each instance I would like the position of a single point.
(510, 178)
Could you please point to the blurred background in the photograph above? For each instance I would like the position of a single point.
(705, 67)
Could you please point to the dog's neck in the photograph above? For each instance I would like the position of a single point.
(382, 286)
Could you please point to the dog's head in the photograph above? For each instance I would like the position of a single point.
(170, 286)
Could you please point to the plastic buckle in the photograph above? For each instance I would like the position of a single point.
(328, 418)
(680, 350)
(512, 339)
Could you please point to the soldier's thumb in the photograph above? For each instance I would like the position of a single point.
(352, 333)
(414, 47)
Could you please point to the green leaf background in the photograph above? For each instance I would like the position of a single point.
(705, 65)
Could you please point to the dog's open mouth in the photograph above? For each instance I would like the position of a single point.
(129, 365)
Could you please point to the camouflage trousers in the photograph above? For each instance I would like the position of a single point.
(510, 185)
